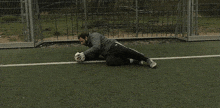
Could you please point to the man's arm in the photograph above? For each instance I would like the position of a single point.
(92, 52)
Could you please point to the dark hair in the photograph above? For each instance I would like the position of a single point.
(83, 35)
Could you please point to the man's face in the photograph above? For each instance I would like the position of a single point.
(83, 41)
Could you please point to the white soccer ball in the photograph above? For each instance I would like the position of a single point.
(79, 57)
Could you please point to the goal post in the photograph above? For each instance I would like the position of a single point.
(27, 17)
(187, 19)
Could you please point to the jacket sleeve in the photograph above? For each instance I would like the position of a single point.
(92, 52)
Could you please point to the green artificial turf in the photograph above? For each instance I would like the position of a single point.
(175, 83)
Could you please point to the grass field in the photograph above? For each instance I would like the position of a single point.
(185, 83)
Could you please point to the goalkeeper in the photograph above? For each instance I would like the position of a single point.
(113, 52)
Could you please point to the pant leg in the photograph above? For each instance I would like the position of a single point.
(112, 60)
(125, 52)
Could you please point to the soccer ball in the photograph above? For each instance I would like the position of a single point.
(79, 57)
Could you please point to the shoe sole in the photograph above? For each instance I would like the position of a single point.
(154, 65)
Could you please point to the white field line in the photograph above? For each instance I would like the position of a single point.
(74, 62)
(185, 57)
(50, 63)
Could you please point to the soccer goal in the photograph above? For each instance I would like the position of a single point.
(187, 19)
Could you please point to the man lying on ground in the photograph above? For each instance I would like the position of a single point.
(113, 52)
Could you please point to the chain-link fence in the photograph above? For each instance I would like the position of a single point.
(63, 20)
(209, 18)
(114, 19)
(11, 27)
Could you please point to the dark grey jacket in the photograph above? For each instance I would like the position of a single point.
(98, 45)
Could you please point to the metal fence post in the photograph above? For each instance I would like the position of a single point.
(22, 11)
(85, 12)
(31, 21)
(184, 5)
(38, 23)
(196, 17)
(77, 22)
(137, 19)
(192, 19)
(189, 18)
(23, 16)
(178, 22)
(27, 20)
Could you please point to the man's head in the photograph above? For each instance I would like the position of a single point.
(83, 38)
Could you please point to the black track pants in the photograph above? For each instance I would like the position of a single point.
(118, 55)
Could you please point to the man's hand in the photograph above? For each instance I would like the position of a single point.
(80, 57)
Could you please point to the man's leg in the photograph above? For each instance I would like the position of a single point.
(123, 51)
